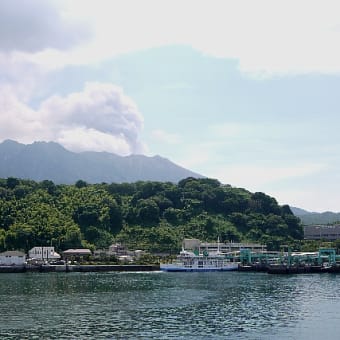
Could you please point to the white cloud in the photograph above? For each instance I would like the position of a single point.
(162, 136)
(34, 25)
(33, 28)
(17, 121)
(82, 139)
(101, 118)
(266, 37)
(255, 177)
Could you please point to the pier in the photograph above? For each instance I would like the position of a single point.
(323, 261)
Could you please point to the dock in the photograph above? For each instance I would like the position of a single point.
(323, 261)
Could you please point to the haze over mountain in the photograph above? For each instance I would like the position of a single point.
(308, 217)
(42, 160)
(300, 212)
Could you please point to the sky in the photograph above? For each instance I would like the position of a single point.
(247, 92)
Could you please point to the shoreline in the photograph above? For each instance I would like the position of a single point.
(77, 268)
(278, 269)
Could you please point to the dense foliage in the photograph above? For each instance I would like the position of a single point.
(153, 216)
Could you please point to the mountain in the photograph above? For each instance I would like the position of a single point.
(299, 212)
(49, 160)
(308, 218)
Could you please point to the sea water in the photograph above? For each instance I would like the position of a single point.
(157, 305)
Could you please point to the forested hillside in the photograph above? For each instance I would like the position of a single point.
(154, 216)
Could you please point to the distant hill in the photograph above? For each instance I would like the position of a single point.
(308, 218)
(42, 160)
(299, 211)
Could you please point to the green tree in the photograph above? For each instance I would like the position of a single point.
(12, 182)
(147, 211)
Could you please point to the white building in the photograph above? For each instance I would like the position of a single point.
(43, 253)
(9, 258)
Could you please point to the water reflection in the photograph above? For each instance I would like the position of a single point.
(166, 305)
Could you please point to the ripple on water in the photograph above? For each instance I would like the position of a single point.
(167, 305)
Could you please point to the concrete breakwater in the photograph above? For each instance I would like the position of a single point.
(78, 268)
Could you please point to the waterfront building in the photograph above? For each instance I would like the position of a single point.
(118, 249)
(77, 254)
(43, 254)
(322, 232)
(120, 252)
(195, 244)
(11, 258)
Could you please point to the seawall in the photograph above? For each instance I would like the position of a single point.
(78, 268)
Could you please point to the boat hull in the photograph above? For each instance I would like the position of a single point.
(169, 268)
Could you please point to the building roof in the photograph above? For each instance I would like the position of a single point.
(13, 253)
(42, 247)
(77, 252)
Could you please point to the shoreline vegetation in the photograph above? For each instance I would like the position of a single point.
(152, 216)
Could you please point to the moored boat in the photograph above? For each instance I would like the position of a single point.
(188, 261)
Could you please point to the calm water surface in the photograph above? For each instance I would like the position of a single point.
(159, 305)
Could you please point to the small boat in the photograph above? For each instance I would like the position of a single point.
(188, 261)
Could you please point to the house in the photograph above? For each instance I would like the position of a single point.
(118, 249)
(77, 254)
(43, 254)
(10, 258)
(119, 252)
(124, 254)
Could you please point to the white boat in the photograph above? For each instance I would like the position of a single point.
(188, 261)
